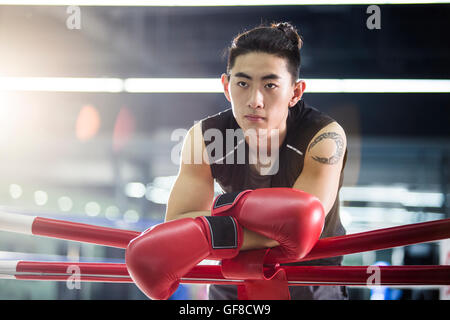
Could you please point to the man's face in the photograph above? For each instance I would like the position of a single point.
(261, 90)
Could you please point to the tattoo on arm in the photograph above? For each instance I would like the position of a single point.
(339, 147)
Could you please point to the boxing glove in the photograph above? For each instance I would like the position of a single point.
(293, 218)
(161, 255)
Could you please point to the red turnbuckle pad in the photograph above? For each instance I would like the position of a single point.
(261, 282)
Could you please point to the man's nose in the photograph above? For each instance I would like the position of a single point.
(256, 99)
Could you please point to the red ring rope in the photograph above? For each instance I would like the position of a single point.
(83, 232)
(209, 274)
(324, 248)
(293, 275)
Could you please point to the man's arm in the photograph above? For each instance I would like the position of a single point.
(322, 165)
(193, 192)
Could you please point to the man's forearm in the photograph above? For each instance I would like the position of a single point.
(252, 240)
(192, 214)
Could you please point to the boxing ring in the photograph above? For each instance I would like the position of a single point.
(228, 274)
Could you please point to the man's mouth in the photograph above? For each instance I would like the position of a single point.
(251, 117)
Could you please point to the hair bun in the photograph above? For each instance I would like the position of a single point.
(290, 32)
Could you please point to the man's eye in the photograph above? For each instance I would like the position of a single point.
(242, 84)
(271, 85)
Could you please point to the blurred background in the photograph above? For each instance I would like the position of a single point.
(80, 141)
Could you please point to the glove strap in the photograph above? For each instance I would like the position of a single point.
(224, 235)
(224, 202)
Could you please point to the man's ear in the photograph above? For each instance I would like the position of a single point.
(225, 83)
(299, 88)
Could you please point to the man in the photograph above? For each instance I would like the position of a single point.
(288, 145)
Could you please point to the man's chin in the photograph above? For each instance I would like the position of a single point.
(259, 132)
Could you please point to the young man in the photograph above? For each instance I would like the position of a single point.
(288, 146)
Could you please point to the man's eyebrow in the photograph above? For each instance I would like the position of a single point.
(242, 75)
(266, 77)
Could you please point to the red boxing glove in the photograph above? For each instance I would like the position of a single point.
(160, 256)
(292, 217)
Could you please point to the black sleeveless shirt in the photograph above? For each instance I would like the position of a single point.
(233, 174)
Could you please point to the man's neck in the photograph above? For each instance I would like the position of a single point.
(264, 150)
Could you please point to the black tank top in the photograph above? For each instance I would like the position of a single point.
(303, 123)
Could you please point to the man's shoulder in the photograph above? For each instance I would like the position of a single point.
(221, 120)
(304, 123)
(307, 112)
(221, 114)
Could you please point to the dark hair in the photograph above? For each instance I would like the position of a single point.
(280, 39)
